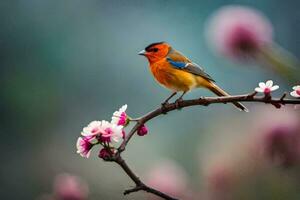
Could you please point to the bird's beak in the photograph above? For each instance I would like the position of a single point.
(142, 53)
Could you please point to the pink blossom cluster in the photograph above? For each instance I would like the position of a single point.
(106, 134)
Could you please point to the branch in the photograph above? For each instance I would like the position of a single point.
(203, 101)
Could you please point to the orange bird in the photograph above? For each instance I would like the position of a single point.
(178, 73)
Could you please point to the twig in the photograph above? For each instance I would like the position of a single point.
(139, 184)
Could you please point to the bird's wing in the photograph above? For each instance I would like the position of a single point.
(181, 62)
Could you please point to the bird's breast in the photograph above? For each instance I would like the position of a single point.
(171, 78)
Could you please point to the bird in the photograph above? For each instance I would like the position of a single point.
(178, 73)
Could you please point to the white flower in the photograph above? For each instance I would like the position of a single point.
(84, 145)
(105, 130)
(267, 87)
(120, 117)
(92, 129)
(110, 132)
(296, 92)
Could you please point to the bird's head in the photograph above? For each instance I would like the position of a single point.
(156, 51)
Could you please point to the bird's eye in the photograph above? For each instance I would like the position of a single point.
(155, 50)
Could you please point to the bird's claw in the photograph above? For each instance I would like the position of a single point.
(164, 106)
(177, 102)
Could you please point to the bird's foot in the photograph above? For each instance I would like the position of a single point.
(177, 103)
(164, 107)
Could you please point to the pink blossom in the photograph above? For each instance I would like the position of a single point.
(92, 129)
(143, 130)
(106, 135)
(278, 135)
(104, 131)
(296, 91)
(85, 144)
(168, 177)
(239, 31)
(110, 132)
(120, 117)
(69, 187)
(267, 87)
(282, 144)
(220, 179)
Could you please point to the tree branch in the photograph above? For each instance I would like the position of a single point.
(168, 107)
(205, 101)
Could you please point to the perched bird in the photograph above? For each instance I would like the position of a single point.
(177, 73)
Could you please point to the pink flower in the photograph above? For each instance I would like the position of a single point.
(104, 131)
(143, 130)
(282, 144)
(296, 92)
(239, 31)
(85, 144)
(220, 178)
(120, 117)
(110, 132)
(68, 187)
(267, 87)
(104, 153)
(278, 135)
(168, 177)
(92, 129)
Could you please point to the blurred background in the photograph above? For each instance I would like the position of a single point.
(66, 63)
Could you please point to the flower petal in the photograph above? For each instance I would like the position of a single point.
(258, 89)
(294, 94)
(262, 85)
(269, 83)
(123, 108)
(79, 140)
(275, 87)
(297, 87)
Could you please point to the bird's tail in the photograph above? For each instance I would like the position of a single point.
(218, 91)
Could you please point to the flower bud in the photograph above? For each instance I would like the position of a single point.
(143, 130)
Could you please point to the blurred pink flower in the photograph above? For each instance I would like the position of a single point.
(143, 130)
(85, 144)
(278, 135)
(120, 117)
(220, 182)
(169, 178)
(238, 31)
(69, 187)
(296, 91)
(219, 177)
(282, 143)
(267, 87)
